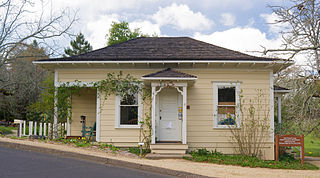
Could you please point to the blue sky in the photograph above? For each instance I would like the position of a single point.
(236, 24)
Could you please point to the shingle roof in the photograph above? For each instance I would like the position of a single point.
(161, 48)
(169, 73)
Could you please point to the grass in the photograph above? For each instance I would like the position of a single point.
(136, 150)
(285, 161)
(114, 149)
(311, 146)
(6, 130)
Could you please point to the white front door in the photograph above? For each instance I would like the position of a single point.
(170, 125)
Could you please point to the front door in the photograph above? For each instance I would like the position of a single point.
(170, 125)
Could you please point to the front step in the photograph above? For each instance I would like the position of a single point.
(169, 148)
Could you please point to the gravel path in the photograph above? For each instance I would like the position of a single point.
(205, 169)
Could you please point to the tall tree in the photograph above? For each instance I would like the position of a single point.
(120, 32)
(303, 33)
(78, 46)
(19, 25)
(23, 80)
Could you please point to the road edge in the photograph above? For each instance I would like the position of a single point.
(110, 161)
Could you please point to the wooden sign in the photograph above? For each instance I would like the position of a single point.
(288, 141)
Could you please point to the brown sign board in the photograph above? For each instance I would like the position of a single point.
(288, 141)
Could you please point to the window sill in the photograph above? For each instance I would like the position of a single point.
(224, 127)
(128, 127)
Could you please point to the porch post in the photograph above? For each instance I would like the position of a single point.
(184, 121)
(153, 117)
(279, 113)
(55, 115)
(98, 110)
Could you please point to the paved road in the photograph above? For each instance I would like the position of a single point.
(19, 163)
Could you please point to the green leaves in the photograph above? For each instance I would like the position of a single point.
(78, 46)
(120, 32)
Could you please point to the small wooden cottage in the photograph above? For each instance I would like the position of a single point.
(196, 92)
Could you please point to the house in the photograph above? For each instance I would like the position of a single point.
(195, 87)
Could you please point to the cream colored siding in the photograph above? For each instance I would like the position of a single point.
(83, 104)
(200, 131)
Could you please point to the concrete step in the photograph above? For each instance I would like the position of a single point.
(167, 156)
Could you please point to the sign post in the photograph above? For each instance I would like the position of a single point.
(289, 141)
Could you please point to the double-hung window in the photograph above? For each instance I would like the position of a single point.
(226, 104)
(128, 111)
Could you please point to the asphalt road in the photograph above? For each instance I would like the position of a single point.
(20, 163)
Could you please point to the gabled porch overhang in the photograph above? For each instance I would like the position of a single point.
(169, 78)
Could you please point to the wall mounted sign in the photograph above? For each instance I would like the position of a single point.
(289, 141)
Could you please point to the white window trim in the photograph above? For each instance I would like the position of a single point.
(215, 103)
(117, 114)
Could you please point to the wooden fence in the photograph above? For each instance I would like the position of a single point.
(40, 129)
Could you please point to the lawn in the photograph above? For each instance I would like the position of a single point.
(6, 130)
(311, 146)
(285, 161)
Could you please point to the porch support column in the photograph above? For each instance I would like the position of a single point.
(55, 115)
(279, 113)
(98, 111)
(153, 115)
(184, 114)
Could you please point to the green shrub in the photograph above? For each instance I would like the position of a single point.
(136, 150)
(111, 147)
(5, 130)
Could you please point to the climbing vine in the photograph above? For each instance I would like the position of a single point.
(114, 84)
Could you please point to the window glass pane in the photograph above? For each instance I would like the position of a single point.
(129, 115)
(226, 115)
(129, 100)
(226, 95)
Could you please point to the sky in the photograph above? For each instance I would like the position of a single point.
(242, 25)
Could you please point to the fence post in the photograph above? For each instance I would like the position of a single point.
(49, 130)
(20, 128)
(44, 129)
(24, 128)
(35, 128)
(30, 127)
(40, 129)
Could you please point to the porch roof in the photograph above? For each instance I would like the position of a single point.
(169, 74)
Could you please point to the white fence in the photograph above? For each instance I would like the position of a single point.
(45, 129)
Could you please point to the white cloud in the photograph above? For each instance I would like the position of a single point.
(182, 18)
(146, 27)
(227, 19)
(245, 40)
(274, 27)
(98, 29)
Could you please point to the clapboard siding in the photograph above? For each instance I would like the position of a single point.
(83, 104)
(200, 131)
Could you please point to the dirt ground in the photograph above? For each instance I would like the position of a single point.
(205, 169)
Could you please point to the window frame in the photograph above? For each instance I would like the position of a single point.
(216, 86)
(118, 112)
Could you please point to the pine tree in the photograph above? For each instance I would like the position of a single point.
(78, 46)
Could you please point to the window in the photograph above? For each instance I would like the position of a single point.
(128, 111)
(226, 100)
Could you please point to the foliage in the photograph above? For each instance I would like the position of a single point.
(136, 150)
(254, 128)
(111, 147)
(5, 130)
(119, 85)
(78, 46)
(79, 142)
(22, 79)
(120, 32)
(300, 107)
(43, 109)
(285, 161)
